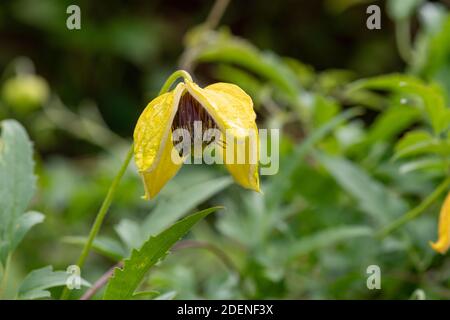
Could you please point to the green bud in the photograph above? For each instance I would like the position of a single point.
(25, 93)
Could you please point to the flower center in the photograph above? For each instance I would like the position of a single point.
(190, 111)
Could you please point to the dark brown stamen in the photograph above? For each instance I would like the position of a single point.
(189, 111)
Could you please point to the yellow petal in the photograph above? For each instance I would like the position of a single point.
(443, 243)
(153, 141)
(232, 110)
(229, 106)
(244, 172)
(165, 169)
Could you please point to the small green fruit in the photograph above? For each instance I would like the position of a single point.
(25, 93)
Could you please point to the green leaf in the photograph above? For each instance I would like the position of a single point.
(432, 97)
(146, 295)
(412, 138)
(126, 280)
(373, 197)
(391, 122)
(17, 185)
(428, 163)
(420, 142)
(172, 207)
(36, 283)
(324, 110)
(130, 233)
(24, 224)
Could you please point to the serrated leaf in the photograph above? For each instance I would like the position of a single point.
(36, 283)
(17, 183)
(126, 280)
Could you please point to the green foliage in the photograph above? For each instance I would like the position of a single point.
(364, 152)
(431, 59)
(105, 246)
(126, 280)
(172, 207)
(432, 99)
(17, 186)
(190, 190)
(222, 47)
(326, 238)
(373, 198)
(35, 285)
(391, 123)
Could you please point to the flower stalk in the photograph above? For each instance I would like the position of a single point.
(415, 212)
(101, 216)
(115, 183)
(172, 78)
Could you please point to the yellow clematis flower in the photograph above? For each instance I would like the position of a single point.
(221, 106)
(443, 243)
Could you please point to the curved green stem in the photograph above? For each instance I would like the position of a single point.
(415, 212)
(101, 215)
(112, 189)
(174, 77)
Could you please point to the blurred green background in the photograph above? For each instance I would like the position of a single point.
(123, 53)
(310, 236)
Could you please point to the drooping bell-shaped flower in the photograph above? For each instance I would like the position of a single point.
(223, 107)
(443, 243)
